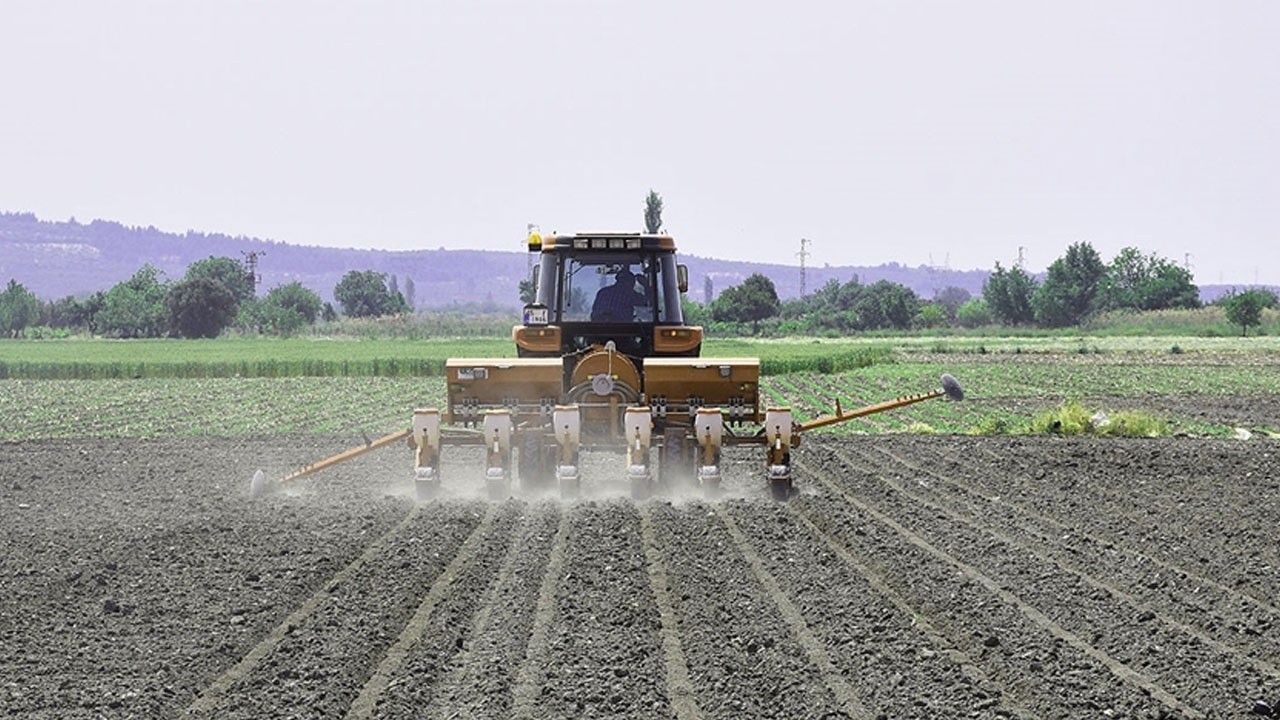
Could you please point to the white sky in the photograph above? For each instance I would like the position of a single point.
(917, 132)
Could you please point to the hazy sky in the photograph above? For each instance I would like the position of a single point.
(944, 132)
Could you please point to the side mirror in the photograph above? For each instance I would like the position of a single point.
(682, 278)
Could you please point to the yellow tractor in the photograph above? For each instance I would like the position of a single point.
(605, 361)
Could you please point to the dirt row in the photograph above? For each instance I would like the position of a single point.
(912, 576)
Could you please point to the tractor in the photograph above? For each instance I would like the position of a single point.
(605, 361)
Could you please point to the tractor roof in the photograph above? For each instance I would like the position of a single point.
(601, 241)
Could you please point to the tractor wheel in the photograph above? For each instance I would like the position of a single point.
(426, 490)
(499, 489)
(780, 488)
(641, 488)
(570, 488)
(711, 489)
(675, 461)
(534, 463)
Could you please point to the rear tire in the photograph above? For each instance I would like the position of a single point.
(426, 490)
(675, 461)
(570, 489)
(534, 463)
(499, 490)
(641, 488)
(780, 489)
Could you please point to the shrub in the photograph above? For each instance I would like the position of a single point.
(990, 425)
(1072, 418)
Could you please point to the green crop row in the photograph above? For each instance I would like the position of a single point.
(82, 359)
(94, 359)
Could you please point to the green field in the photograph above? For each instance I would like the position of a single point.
(237, 387)
(83, 358)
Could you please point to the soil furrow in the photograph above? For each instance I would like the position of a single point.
(134, 573)
(604, 651)
(1009, 625)
(743, 661)
(531, 674)
(680, 693)
(1122, 527)
(1197, 606)
(925, 576)
(209, 698)
(944, 678)
(1172, 507)
(322, 663)
(1131, 635)
(478, 680)
(847, 699)
(393, 661)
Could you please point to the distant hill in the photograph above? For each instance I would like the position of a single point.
(56, 259)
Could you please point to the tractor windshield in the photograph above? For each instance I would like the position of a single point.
(610, 287)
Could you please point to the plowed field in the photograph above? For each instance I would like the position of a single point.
(913, 577)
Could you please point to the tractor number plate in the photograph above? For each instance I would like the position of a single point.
(536, 316)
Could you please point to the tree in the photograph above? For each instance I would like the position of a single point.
(410, 292)
(73, 313)
(653, 213)
(527, 291)
(1008, 293)
(225, 270)
(694, 312)
(200, 307)
(136, 307)
(305, 302)
(973, 313)
(19, 309)
(1135, 282)
(754, 300)
(364, 293)
(951, 298)
(1245, 309)
(886, 304)
(932, 315)
(261, 316)
(1069, 293)
(1170, 286)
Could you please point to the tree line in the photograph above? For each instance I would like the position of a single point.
(218, 293)
(1076, 287)
(215, 294)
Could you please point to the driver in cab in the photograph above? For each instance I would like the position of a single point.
(618, 302)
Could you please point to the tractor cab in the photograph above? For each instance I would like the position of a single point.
(595, 289)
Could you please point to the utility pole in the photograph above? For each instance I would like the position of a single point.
(251, 267)
(802, 255)
(1020, 251)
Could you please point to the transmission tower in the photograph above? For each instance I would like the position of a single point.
(251, 267)
(802, 255)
